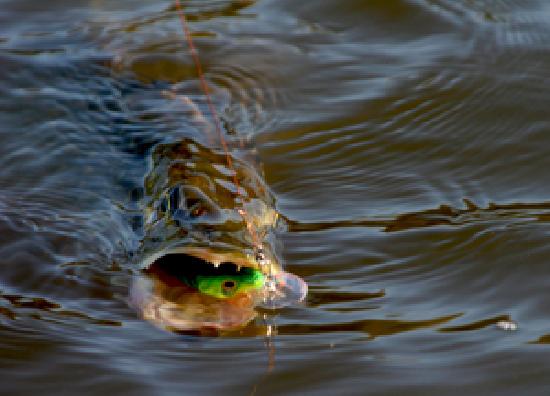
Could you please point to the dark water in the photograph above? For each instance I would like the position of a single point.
(406, 140)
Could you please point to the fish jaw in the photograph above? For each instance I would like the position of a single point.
(213, 256)
(161, 296)
(181, 309)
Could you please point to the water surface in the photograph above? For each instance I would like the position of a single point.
(406, 141)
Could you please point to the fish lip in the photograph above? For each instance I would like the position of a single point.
(214, 256)
(171, 315)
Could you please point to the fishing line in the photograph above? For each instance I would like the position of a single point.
(259, 254)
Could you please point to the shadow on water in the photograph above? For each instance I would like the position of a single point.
(41, 309)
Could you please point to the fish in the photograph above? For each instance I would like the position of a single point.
(200, 271)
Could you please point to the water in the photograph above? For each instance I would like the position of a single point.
(405, 141)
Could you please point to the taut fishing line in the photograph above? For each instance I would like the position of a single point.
(270, 287)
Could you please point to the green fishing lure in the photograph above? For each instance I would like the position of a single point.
(226, 286)
(221, 282)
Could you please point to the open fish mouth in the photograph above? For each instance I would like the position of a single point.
(198, 290)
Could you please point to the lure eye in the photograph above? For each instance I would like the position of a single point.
(228, 287)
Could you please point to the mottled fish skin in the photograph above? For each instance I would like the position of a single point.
(191, 205)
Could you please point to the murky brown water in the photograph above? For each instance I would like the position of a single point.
(405, 140)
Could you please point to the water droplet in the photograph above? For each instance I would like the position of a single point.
(507, 325)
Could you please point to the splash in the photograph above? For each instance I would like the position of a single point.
(282, 290)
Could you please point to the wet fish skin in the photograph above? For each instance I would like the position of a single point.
(191, 216)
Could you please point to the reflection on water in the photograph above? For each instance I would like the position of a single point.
(403, 144)
(444, 215)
